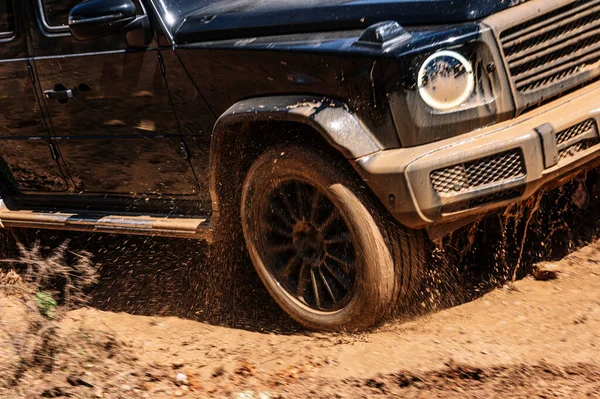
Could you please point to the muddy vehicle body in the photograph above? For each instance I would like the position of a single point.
(337, 134)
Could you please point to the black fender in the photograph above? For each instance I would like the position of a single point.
(331, 118)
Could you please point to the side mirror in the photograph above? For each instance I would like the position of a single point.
(96, 18)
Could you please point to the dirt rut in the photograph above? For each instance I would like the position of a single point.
(528, 338)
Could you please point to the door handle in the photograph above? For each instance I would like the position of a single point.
(59, 95)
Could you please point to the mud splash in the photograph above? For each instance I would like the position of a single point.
(500, 249)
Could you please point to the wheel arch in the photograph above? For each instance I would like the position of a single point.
(250, 126)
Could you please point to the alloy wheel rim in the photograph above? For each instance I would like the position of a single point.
(308, 247)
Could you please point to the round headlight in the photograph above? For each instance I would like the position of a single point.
(446, 80)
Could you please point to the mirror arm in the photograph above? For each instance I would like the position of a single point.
(139, 22)
(138, 31)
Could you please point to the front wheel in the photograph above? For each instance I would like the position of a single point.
(317, 241)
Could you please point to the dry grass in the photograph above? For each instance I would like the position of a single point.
(46, 285)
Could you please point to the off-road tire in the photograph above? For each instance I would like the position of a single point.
(388, 259)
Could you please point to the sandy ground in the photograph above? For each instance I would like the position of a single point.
(175, 318)
(528, 339)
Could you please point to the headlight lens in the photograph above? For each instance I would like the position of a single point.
(446, 80)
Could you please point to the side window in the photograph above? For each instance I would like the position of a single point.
(7, 19)
(56, 12)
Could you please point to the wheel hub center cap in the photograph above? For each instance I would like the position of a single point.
(309, 243)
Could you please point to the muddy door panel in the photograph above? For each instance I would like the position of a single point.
(195, 119)
(26, 163)
(131, 165)
(111, 114)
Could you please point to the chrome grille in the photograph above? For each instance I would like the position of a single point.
(555, 51)
(466, 176)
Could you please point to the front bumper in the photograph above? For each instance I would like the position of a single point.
(449, 183)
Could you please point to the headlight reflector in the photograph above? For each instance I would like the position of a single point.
(446, 80)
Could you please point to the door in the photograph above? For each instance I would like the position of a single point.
(26, 161)
(116, 130)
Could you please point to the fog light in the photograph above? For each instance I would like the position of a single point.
(446, 80)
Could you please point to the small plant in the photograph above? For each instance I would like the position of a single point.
(46, 304)
(48, 286)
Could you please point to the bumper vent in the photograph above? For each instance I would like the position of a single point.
(484, 200)
(554, 52)
(575, 149)
(482, 172)
(576, 131)
(576, 139)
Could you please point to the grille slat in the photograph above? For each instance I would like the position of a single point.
(546, 21)
(557, 73)
(525, 70)
(528, 43)
(476, 174)
(548, 50)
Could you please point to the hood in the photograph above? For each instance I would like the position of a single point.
(207, 20)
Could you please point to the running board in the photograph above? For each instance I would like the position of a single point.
(163, 226)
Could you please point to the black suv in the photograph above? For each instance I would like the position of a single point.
(337, 134)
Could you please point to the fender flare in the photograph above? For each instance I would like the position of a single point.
(331, 118)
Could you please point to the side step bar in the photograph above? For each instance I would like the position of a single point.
(162, 226)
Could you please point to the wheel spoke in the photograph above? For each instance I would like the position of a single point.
(300, 201)
(285, 219)
(289, 207)
(302, 281)
(315, 287)
(316, 199)
(327, 285)
(346, 267)
(332, 217)
(341, 238)
(290, 266)
(336, 277)
(280, 231)
(283, 247)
